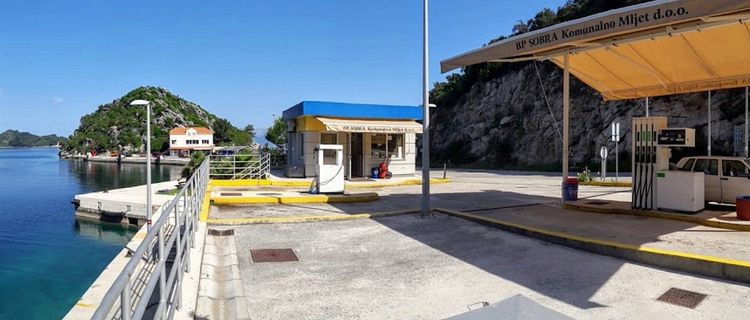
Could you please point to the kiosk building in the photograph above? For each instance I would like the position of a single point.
(370, 135)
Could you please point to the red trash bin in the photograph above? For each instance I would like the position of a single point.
(570, 189)
(743, 207)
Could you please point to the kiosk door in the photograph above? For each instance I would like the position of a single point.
(357, 155)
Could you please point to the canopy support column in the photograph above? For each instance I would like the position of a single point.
(566, 121)
(646, 107)
(425, 117)
(709, 123)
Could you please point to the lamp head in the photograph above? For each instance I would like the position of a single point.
(140, 103)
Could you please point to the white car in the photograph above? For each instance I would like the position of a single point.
(725, 177)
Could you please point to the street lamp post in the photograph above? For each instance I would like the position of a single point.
(425, 116)
(148, 158)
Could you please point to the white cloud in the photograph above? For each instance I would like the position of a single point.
(57, 100)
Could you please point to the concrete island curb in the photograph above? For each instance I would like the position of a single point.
(623, 184)
(346, 198)
(661, 215)
(727, 269)
(301, 219)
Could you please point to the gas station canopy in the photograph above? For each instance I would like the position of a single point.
(657, 48)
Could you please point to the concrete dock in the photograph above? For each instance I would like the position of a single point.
(131, 200)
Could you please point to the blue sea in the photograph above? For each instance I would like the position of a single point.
(48, 258)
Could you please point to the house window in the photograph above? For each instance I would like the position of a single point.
(205, 141)
(174, 141)
(387, 146)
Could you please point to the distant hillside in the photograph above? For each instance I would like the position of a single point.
(13, 138)
(117, 125)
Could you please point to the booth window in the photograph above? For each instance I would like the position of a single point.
(387, 146)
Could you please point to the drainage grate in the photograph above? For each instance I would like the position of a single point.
(273, 255)
(597, 203)
(683, 298)
(231, 194)
(220, 233)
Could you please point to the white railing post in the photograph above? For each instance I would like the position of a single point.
(162, 272)
(125, 301)
(178, 258)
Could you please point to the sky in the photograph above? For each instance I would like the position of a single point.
(244, 60)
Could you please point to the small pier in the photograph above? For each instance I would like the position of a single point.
(125, 205)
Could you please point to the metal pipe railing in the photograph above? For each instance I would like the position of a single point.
(242, 166)
(183, 211)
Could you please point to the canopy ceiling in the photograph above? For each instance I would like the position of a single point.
(656, 48)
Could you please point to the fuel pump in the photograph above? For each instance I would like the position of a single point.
(647, 158)
(329, 177)
(654, 185)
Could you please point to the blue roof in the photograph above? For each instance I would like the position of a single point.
(353, 110)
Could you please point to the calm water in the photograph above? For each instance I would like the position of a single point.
(47, 258)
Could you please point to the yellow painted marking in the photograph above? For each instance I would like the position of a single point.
(300, 219)
(563, 235)
(85, 305)
(606, 184)
(206, 205)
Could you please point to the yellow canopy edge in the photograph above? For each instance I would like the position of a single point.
(652, 49)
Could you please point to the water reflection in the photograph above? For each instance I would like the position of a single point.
(107, 232)
(97, 176)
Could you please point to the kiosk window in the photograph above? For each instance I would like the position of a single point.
(395, 146)
(377, 146)
(734, 168)
(688, 165)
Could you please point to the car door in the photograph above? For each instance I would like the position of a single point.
(735, 180)
(710, 168)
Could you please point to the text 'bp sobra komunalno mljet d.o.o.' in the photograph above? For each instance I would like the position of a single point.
(629, 20)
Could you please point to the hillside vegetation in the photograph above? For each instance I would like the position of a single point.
(14, 138)
(117, 125)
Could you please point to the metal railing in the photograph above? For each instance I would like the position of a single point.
(150, 284)
(240, 166)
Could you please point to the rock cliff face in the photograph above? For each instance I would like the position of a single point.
(505, 123)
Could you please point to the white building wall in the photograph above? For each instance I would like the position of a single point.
(180, 142)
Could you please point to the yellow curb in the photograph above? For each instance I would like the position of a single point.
(606, 184)
(619, 245)
(362, 197)
(206, 205)
(301, 219)
(282, 183)
(661, 215)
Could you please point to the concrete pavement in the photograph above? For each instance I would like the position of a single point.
(405, 267)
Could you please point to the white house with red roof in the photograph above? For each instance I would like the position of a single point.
(184, 141)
